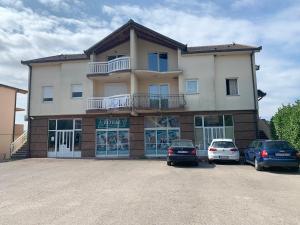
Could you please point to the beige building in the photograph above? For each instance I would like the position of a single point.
(133, 92)
(9, 131)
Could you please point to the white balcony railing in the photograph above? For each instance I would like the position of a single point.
(118, 64)
(111, 102)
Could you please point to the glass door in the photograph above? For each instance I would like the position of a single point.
(158, 96)
(64, 143)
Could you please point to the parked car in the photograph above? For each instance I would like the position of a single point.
(182, 150)
(272, 153)
(224, 150)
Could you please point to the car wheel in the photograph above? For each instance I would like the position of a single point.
(257, 166)
(210, 161)
(169, 163)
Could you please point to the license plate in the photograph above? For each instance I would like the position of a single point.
(224, 157)
(182, 151)
(282, 154)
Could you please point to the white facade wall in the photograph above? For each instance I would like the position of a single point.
(210, 70)
(61, 77)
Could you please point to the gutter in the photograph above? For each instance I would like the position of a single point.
(254, 93)
(223, 50)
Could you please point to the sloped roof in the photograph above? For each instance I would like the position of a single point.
(221, 48)
(122, 35)
(56, 58)
(22, 91)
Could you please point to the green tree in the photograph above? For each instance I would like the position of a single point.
(285, 124)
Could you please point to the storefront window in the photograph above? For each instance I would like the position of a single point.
(112, 136)
(218, 126)
(159, 133)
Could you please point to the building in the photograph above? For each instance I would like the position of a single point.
(134, 91)
(9, 130)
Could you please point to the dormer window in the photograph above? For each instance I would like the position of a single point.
(158, 61)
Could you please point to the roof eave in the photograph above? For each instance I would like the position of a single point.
(258, 49)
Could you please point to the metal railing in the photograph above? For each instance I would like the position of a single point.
(111, 102)
(161, 102)
(18, 143)
(118, 64)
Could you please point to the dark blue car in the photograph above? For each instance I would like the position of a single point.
(270, 153)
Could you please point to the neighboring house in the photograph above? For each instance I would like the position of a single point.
(133, 92)
(9, 131)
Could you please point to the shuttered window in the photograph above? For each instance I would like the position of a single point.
(47, 93)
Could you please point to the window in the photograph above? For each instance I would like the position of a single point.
(111, 57)
(160, 131)
(191, 86)
(47, 93)
(112, 136)
(76, 90)
(158, 61)
(232, 87)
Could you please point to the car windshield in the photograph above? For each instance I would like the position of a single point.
(223, 144)
(182, 143)
(278, 145)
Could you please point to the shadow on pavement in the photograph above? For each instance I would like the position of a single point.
(283, 171)
(202, 165)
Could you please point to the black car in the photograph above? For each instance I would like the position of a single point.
(182, 150)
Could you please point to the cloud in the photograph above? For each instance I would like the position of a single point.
(27, 34)
(238, 4)
(61, 5)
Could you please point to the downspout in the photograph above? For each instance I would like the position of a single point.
(254, 94)
(14, 123)
(28, 110)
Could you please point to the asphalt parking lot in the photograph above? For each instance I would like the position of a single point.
(68, 191)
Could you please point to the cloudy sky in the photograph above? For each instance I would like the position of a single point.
(37, 28)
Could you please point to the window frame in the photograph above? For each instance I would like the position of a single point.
(186, 86)
(43, 94)
(157, 61)
(237, 86)
(75, 97)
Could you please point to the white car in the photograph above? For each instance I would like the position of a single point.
(223, 149)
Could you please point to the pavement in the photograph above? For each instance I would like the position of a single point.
(88, 191)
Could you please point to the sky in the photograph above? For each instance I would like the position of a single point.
(39, 28)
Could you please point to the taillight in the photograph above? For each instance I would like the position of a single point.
(212, 149)
(170, 151)
(233, 150)
(264, 153)
(194, 151)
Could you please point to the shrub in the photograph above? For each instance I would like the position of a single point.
(285, 124)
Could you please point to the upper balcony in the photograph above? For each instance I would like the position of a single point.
(115, 65)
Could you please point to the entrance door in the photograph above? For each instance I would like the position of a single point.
(210, 133)
(64, 143)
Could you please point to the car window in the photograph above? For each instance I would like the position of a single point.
(278, 145)
(182, 143)
(258, 144)
(252, 144)
(223, 144)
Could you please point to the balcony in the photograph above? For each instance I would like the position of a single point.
(118, 64)
(158, 102)
(136, 102)
(111, 102)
